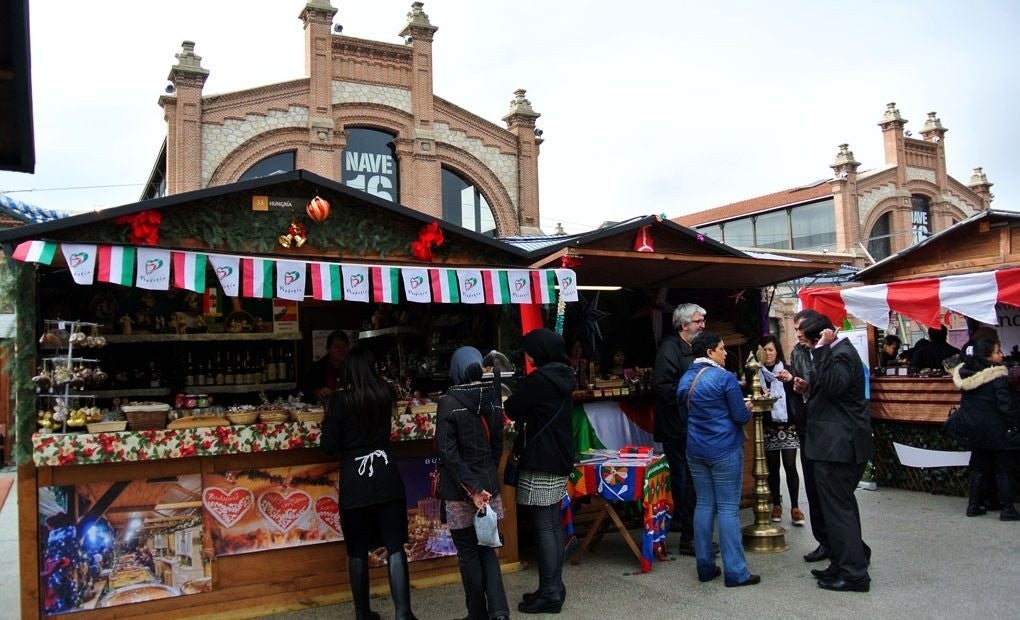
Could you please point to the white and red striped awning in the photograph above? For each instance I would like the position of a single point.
(925, 300)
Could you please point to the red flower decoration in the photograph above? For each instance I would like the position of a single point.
(569, 262)
(429, 235)
(144, 226)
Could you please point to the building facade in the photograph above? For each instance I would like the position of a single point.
(365, 114)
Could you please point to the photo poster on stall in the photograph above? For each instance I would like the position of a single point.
(258, 509)
(131, 541)
(1009, 329)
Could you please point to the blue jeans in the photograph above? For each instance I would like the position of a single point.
(717, 482)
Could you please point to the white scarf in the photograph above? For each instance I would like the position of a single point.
(776, 389)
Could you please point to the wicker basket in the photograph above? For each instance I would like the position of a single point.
(115, 426)
(242, 417)
(428, 409)
(145, 420)
(308, 415)
(273, 416)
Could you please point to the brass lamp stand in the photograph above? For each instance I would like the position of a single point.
(762, 536)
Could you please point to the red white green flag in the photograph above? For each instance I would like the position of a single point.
(567, 280)
(290, 280)
(543, 286)
(326, 281)
(189, 271)
(115, 264)
(497, 288)
(81, 260)
(228, 272)
(153, 269)
(472, 291)
(355, 282)
(385, 284)
(444, 286)
(520, 286)
(257, 277)
(416, 285)
(35, 252)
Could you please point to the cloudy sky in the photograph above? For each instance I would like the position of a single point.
(648, 106)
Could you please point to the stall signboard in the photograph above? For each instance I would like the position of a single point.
(1008, 326)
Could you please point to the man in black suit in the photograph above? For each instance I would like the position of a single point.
(839, 443)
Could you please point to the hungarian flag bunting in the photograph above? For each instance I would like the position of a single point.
(35, 252)
(326, 281)
(385, 284)
(153, 269)
(471, 289)
(189, 271)
(520, 286)
(567, 280)
(416, 285)
(924, 300)
(497, 287)
(257, 277)
(355, 283)
(444, 286)
(290, 280)
(81, 260)
(115, 264)
(543, 286)
(228, 272)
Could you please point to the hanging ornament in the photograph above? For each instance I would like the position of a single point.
(144, 226)
(318, 209)
(643, 240)
(429, 235)
(296, 235)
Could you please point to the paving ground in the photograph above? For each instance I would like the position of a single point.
(930, 561)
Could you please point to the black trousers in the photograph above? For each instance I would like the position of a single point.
(684, 498)
(836, 483)
(815, 514)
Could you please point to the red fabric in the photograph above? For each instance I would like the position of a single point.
(825, 300)
(531, 318)
(916, 299)
(641, 412)
(1008, 281)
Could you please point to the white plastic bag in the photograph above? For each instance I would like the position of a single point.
(486, 528)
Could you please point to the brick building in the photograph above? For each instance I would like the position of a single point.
(365, 114)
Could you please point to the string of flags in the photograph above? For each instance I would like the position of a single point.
(159, 269)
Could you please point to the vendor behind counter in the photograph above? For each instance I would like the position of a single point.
(323, 377)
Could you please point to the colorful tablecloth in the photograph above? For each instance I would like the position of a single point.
(619, 481)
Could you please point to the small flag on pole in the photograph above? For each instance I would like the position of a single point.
(416, 285)
(81, 260)
(326, 281)
(444, 286)
(543, 286)
(153, 269)
(189, 271)
(228, 271)
(385, 284)
(257, 277)
(290, 280)
(497, 288)
(355, 283)
(472, 291)
(520, 286)
(35, 252)
(115, 264)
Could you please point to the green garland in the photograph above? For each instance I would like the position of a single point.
(17, 291)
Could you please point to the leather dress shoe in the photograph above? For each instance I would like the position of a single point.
(842, 585)
(825, 574)
(715, 573)
(820, 553)
(540, 606)
(528, 597)
(750, 581)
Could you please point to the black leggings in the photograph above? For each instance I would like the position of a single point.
(792, 477)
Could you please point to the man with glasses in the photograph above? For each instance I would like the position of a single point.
(671, 361)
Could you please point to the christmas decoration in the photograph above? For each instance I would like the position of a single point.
(429, 235)
(318, 209)
(643, 240)
(144, 226)
(296, 235)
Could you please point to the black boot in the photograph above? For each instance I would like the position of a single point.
(400, 586)
(1004, 481)
(357, 572)
(976, 503)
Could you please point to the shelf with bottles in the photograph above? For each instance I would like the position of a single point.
(203, 337)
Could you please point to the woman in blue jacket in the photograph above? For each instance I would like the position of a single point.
(709, 397)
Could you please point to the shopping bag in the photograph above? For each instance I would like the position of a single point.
(486, 528)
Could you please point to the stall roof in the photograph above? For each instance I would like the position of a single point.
(680, 257)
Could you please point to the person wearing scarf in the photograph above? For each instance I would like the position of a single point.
(780, 430)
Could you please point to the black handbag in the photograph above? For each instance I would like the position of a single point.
(956, 426)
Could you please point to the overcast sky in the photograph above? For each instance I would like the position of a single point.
(648, 106)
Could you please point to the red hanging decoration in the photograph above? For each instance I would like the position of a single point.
(569, 262)
(643, 240)
(296, 235)
(318, 209)
(144, 226)
(430, 235)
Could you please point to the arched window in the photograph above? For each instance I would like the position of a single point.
(274, 164)
(369, 163)
(878, 241)
(920, 217)
(465, 206)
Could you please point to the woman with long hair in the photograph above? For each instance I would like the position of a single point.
(373, 505)
(987, 397)
(780, 429)
(469, 439)
(710, 400)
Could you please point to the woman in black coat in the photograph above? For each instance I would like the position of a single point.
(373, 504)
(987, 399)
(469, 439)
(541, 407)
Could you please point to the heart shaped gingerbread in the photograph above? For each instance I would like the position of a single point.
(281, 510)
(227, 507)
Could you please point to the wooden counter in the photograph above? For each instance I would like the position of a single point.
(913, 399)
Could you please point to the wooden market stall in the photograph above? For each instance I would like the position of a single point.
(971, 269)
(242, 515)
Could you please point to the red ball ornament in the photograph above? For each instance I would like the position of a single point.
(318, 209)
